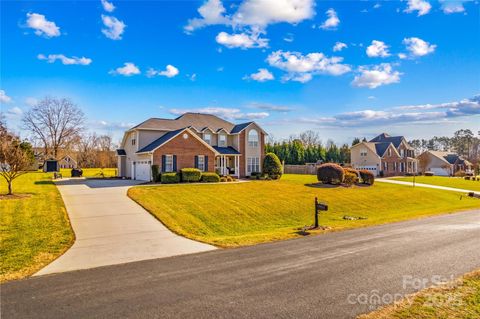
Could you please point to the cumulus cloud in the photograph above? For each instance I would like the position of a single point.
(107, 6)
(301, 67)
(261, 76)
(128, 69)
(51, 58)
(339, 46)
(212, 12)
(170, 71)
(377, 49)
(114, 28)
(42, 26)
(15, 111)
(332, 21)
(4, 98)
(452, 6)
(375, 76)
(271, 107)
(227, 113)
(421, 6)
(418, 47)
(241, 40)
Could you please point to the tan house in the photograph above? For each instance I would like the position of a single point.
(385, 155)
(67, 162)
(443, 163)
(203, 141)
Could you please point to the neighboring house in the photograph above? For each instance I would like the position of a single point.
(443, 163)
(203, 141)
(385, 155)
(67, 162)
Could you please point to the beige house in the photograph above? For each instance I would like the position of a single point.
(67, 162)
(203, 141)
(385, 155)
(443, 163)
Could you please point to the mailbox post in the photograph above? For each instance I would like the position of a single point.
(319, 207)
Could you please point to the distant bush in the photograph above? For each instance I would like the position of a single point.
(352, 171)
(155, 173)
(428, 174)
(350, 178)
(367, 177)
(330, 173)
(210, 178)
(223, 179)
(467, 178)
(272, 166)
(459, 173)
(190, 175)
(170, 178)
(230, 178)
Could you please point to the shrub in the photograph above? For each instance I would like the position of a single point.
(459, 173)
(352, 171)
(230, 178)
(330, 173)
(350, 178)
(428, 174)
(190, 175)
(155, 173)
(210, 178)
(272, 166)
(170, 178)
(223, 179)
(467, 178)
(367, 177)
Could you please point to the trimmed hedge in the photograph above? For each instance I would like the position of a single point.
(330, 174)
(367, 177)
(272, 166)
(191, 175)
(170, 178)
(352, 171)
(210, 178)
(155, 173)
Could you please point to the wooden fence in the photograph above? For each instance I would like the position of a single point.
(300, 169)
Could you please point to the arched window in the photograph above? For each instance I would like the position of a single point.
(253, 138)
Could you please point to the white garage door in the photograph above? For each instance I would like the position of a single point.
(438, 171)
(142, 171)
(372, 169)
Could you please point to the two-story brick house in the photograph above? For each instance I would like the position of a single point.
(203, 141)
(385, 155)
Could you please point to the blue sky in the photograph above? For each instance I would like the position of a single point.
(343, 68)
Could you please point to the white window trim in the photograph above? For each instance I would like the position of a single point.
(253, 142)
(201, 165)
(220, 142)
(253, 164)
(209, 140)
(167, 164)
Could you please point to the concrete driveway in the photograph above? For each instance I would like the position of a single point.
(110, 228)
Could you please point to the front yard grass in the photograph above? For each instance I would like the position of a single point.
(91, 172)
(229, 215)
(34, 227)
(454, 182)
(455, 300)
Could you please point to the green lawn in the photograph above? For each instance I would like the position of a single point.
(455, 300)
(454, 182)
(91, 172)
(230, 215)
(34, 230)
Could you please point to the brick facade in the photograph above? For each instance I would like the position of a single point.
(241, 149)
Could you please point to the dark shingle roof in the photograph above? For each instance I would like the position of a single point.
(226, 150)
(381, 148)
(451, 158)
(240, 127)
(121, 152)
(150, 147)
(196, 120)
(395, 140)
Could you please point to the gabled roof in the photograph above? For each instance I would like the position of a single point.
(381, 148)
(226, 150)
(384, 137)
(240, 127)
(121, 152)
(159, 141)
(197, 120)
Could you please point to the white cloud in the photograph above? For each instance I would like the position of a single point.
(31, 101)
(271, 107)
(377, 5)
(227, 113)
(301, 67)
(423, 7)
(108, 6)
(402, 56)
(4, 98)
(261, 76)
(42, 26)
(339, 46)
(114, 27)
(51, 58)
(332, 22)
(418, 47)
(377, 49)
(128, 69)
(170, 71)
(241, 40)
(14, 112)
(288, 37)
(376, 76)
(211, 12)
(371, 97)
(452, 6)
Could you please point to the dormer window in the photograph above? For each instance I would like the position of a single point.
(222, 140)
(253, 138)
(207, 137)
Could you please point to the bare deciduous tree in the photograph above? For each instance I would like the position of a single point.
(55, 123)
(309, 138)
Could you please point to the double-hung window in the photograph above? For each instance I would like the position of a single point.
(201, 163)
(253, 164)
(222, 140)
(207, 137)
(168, 163)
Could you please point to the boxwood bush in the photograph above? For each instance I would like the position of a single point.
(272, 166)
(367, 177)
(330, 173)
(191, 175)
(170, 178)
(210, 178)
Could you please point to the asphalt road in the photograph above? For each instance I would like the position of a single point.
(328, 276)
